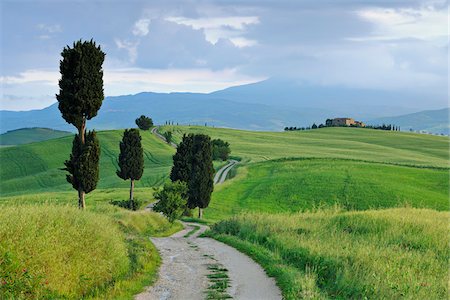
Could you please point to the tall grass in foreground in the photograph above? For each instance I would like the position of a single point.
(384, 254)
(49, 251)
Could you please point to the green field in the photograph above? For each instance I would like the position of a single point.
(350, 143)
(30, 135)
(298, 184)
(374, 254)
(320, 246)
(36, 167)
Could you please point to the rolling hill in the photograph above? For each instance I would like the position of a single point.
(36, 167)
(433, 121)
(351, 167)
(30, 135)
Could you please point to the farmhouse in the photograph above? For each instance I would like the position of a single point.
(346, 122)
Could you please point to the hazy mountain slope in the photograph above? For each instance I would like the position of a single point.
(266, 105)
(30, 135)
(184, 108)
(435, 121)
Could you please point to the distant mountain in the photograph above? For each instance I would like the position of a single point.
(30, 135)
(433, 121)
(266, 105)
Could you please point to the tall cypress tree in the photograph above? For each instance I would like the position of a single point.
(80, 97)
(182, 160)
(193, 164)
(201, 182)
(131, 158)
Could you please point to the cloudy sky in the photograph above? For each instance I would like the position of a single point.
(202, 46)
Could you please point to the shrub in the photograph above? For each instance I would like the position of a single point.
(171, 200)
(144, 123)
(134, 204)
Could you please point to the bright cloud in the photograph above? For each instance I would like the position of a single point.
(216, 28)
(423, 23)
(141, 27)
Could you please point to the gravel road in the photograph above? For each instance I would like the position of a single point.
(184, 269)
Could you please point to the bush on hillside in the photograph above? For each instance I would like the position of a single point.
(220, 149)
(172, 200)
(144, 123)
(134, 204)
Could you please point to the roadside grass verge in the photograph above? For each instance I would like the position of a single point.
(377, 254)
(57, 251)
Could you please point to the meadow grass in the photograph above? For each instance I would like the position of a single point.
(57, 251)
(375, 254)
(300, 184)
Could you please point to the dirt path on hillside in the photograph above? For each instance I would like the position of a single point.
(222, 173)
(184, 269)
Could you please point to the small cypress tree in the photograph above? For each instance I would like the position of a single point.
(131, 158)
(80, 97)
(83, 165)
(182, 160)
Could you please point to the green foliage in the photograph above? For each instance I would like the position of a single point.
(134, 204)
(381, 254)
(81, 84)
(168, 136)
(220, 149)
(201, 182)
(144, 123)
(131, 157)
(181, 169)
(193, 164)
(171, 200)
(83, 164)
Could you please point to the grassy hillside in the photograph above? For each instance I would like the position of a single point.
(352, 143)
(56, 252)
(36, 167)
(385, 254)
(30, 135)
(299, 184)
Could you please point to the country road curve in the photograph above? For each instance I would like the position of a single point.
(184, 269)
(155, 132)
(222, 173)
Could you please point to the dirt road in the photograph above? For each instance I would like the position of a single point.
(187, 262)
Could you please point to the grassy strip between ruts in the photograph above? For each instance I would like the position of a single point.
(378, 254)
(49, 251)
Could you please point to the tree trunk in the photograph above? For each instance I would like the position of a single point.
(82, 130)
(200, 213)
(81, 193)
(81, 199)
(131, 189)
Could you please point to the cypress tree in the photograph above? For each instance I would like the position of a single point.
(193, 164)
(83, 165)
(131, 158)
(80, 97)
(182, 160)
(201, 183)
